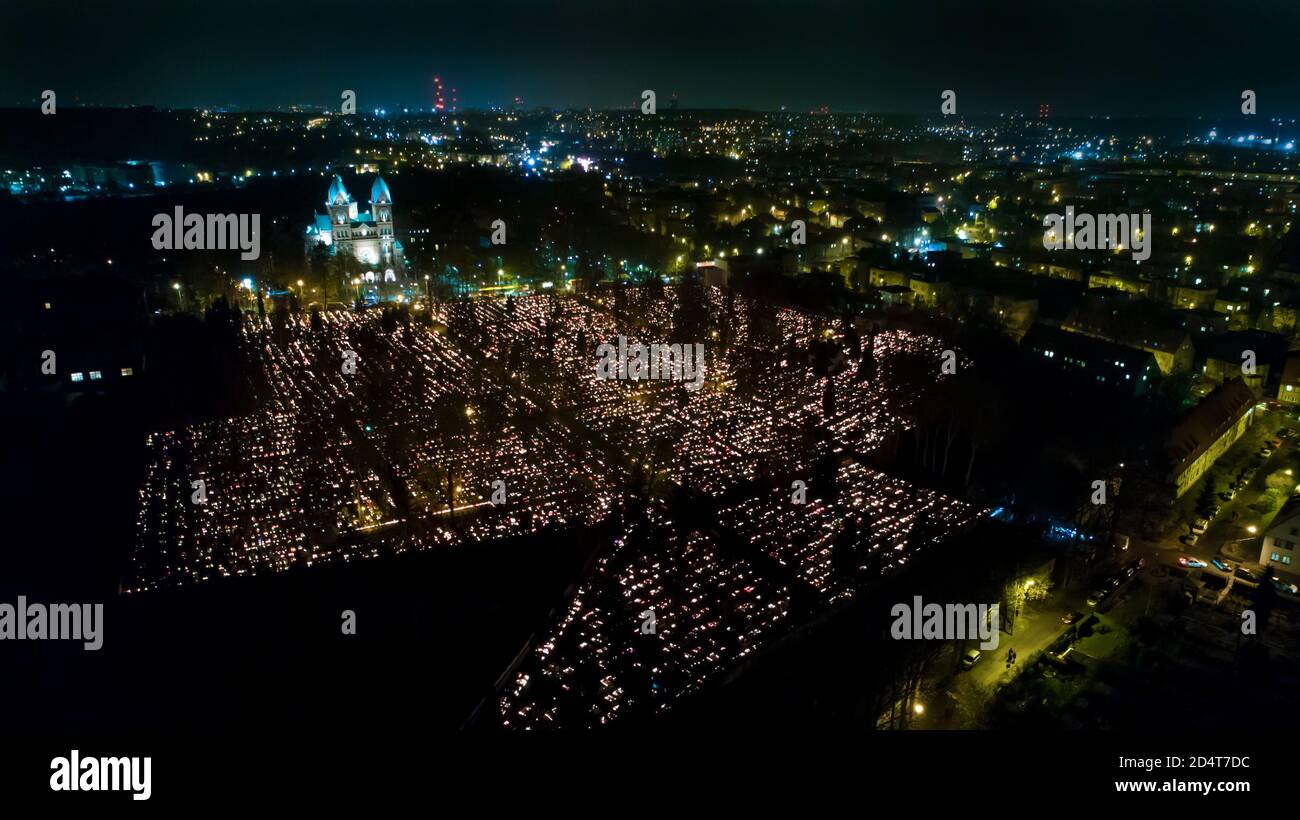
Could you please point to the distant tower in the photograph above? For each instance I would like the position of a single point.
(438, 103)
(672, 104)
(1044, 110)
(453, 101)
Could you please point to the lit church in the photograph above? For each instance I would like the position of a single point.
(368, 235)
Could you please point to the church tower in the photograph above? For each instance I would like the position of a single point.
(381, 210)
(343, 212)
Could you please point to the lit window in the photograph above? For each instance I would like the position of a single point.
(128, 371)
(76, 377)
(96, 375)
(48, 306)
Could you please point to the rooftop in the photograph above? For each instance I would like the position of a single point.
(1208, 420)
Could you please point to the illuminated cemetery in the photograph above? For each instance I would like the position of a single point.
(404, 451)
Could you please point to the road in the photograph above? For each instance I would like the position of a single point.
(1035, 630)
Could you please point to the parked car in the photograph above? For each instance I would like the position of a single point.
(1200, 526)
(1275, 443)
(1284, 586)
(971, 658)
(1188, 561)
(1221, 565)
(1097, 597)
(1070, 617)
(1213, 512)
(1228, 496)
(1246, 575)
(1285, 432)
(1264, 452)
(1189, 540)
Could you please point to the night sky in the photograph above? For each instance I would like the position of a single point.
(1130, 57)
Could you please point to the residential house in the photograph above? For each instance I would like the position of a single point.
(1208, 431)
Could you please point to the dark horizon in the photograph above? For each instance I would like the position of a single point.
(874, 57)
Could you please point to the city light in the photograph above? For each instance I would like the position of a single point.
(818, 349)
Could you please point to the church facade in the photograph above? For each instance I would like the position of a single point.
(365, 235)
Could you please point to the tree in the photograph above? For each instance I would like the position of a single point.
(845, 548)
(828, 400)
(972, 702)
(1208, 484)
(318, 259)
(452, 421)
(341, 268)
